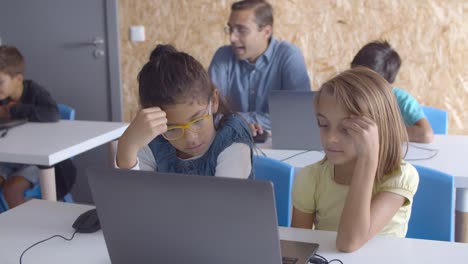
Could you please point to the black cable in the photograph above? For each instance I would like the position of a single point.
(322, 260)
(300, 153)
(257, 149)
(435, 152)
(337, 260)
(44, 240)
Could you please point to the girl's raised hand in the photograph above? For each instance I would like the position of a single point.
(364, 134)
(148, 124)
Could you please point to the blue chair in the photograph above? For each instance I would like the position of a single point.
(281, 175)
(438, 119)
(66, 113)
(432, 214)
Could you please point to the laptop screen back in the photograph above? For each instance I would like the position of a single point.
(293, 121)
(150, 217)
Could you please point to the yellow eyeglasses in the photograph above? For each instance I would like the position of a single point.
(196, 125)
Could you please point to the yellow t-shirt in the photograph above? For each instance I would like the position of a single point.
(315, 191)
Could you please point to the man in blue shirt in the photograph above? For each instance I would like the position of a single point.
(256, 63)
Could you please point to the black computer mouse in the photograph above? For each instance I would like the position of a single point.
(261, 138)
(87, 222)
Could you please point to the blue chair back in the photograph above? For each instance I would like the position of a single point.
(281, 175)
(66, 112)
(438, 119)
(432, 215)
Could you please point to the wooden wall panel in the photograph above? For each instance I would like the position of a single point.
(431, 36)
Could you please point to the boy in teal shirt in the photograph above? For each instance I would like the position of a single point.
(380, 57)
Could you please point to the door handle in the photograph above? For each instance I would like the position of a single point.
(94, 42)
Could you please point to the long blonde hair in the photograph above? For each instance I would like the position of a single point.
(363, 92)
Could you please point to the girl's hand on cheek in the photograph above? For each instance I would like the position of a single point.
(363, 133)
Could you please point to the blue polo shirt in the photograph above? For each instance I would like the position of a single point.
(246, 85)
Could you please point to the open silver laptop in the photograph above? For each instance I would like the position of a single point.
(293, 121)
(150, 217)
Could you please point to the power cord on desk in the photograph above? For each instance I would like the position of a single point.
(300, 153)
(295, 155)
(435, 152)
(44, 240)
(318, 259)
(290, 157)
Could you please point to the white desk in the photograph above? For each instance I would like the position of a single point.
(39, 219)
(382, 250)
(47, 144)
(451, 158)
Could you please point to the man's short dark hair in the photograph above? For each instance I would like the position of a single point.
(380, 57)
(262, 9)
